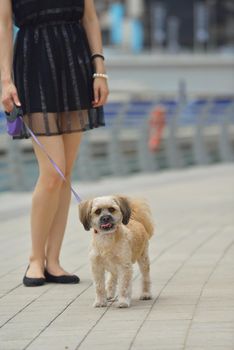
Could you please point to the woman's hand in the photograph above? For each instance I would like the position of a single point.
(101, 91)
(9, 96)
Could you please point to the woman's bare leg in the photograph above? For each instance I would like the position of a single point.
(45, 199)
(57, 230)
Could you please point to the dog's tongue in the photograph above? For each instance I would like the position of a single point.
(106, 225)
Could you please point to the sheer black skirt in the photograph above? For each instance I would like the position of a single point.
(53, 75)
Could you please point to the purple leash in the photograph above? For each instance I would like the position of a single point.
(52, 162)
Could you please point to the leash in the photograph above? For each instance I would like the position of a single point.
(78, 199)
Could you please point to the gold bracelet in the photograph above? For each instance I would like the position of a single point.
(100, 75)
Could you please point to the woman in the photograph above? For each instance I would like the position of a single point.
(58, 49)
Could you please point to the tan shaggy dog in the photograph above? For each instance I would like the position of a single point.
(121, 229)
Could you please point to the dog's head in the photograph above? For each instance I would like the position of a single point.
(104, 214)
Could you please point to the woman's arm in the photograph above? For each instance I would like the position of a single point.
(92, 28)
(5, 40)
(9, 93)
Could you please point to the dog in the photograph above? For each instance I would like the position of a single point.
(122, 228)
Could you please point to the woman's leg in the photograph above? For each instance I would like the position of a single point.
(45, 199)
(57, 230)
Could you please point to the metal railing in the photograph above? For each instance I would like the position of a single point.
(198, 132)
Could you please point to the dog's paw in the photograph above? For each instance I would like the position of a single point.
(110, 297)
(100, 303)
(145, 296)
(123, 303)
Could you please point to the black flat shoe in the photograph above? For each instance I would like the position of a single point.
(65, 279)
(33, 282)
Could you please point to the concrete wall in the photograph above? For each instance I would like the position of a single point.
(160, 74)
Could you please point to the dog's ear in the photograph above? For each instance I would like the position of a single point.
(85, 214)
(125, 208)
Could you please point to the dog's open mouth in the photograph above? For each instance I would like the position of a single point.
(107, 227)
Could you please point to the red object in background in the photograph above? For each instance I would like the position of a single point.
(157, 123)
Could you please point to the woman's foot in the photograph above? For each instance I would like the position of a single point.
(35, 269)
(56, 274)
(33, 281)
(56, 270)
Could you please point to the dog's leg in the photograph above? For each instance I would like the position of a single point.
(125, 285)
(111, 285)
(98, 272)
(144, 265)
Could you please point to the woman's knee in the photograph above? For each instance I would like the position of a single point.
(51, 181)
(68, 174)
(49, 178)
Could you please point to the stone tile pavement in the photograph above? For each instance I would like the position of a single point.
(192, 264)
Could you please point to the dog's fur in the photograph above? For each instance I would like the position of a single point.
(121, 230)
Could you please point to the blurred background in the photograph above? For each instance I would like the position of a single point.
(182, 25)
(171, 69)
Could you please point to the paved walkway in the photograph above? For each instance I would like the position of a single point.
(192, 264)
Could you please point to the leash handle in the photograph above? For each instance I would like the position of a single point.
(52, 161)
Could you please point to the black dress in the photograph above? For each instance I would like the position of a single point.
(52, 68)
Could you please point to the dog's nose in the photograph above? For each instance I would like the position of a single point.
(105, 219)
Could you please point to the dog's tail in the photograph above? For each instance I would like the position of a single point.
(140, 211)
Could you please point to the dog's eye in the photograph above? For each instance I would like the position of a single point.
(111, 209)
(98, 211)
